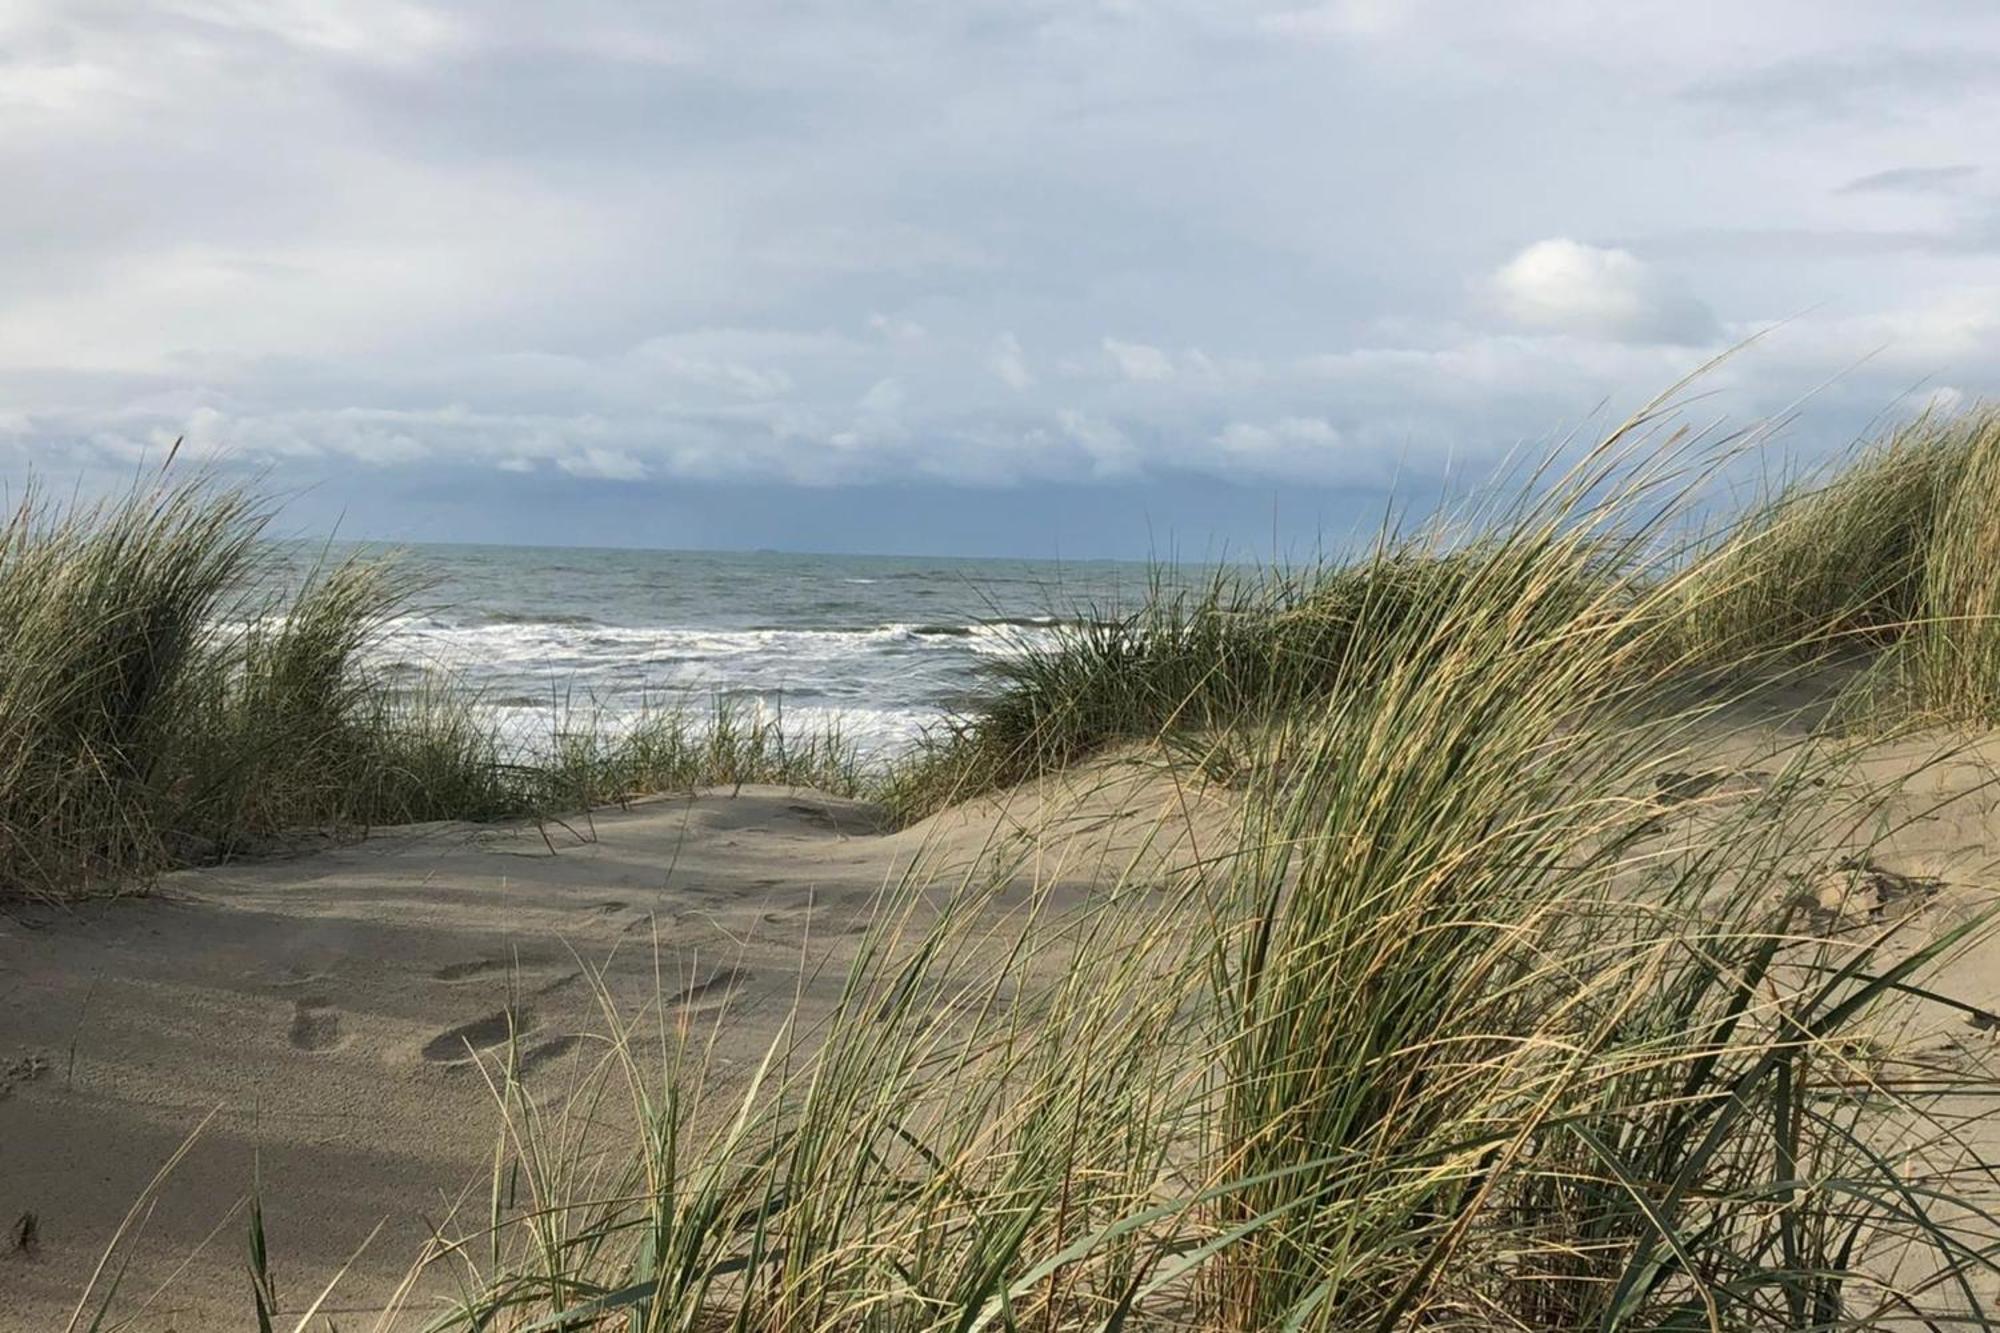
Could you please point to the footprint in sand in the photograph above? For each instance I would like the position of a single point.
(820, 923)
(1678, 788)
(474, 969)
(456, 1046)
(315, 1026)
(1674, 789)
(717, 986)
(26, 1069)
(553, 1049)
(557, 984)
(1859, 891)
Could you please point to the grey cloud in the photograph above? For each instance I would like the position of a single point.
(1801, 245)
(988, 247)
(1916, 180)
(1873, 85)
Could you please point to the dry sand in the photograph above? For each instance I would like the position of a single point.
(327, 1008)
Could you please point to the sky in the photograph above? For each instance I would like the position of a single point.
(1041, 277)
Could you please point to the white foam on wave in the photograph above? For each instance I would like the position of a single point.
(880, 686)
(449, 644)
(873, 732)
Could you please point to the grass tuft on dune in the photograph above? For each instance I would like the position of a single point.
(1893, 552)
(1891, 556)
(158, 709)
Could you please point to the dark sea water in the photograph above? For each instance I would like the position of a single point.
(882, 645)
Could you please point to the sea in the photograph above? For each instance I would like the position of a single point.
(883, 647)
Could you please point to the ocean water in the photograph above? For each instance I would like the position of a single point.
(883, 646)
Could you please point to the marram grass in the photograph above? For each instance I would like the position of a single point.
(1890, 557)
(156, 709)
(1448, 1041)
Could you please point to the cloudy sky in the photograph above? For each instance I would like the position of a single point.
(1037, 276)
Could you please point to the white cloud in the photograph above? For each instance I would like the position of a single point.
(381, 445)
(1944, 399)
(1954, 326)
(1953, 330)
(1240, 435)
(1009, 364)
(1564, 286)
(1138, 361)
(1299, 447)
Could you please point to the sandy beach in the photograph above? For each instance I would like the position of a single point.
(325, 1017)
(1138, 666)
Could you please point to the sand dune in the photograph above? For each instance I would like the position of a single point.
(331, 1011)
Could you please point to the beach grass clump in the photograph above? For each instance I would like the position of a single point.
(1950, 659)
(1838, 555)
(1226, 655)
(287, 730)
(1889, 556)
(1188, 656)
(1234, 656)
(1887, 559)
(106, 613)
(1493, 1056)
(676, 744)
(159, 709)
(160, 705)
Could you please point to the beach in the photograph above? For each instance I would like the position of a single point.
(326, 1027)
(327, 1030)
(1140, 666)
(1510, 919)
